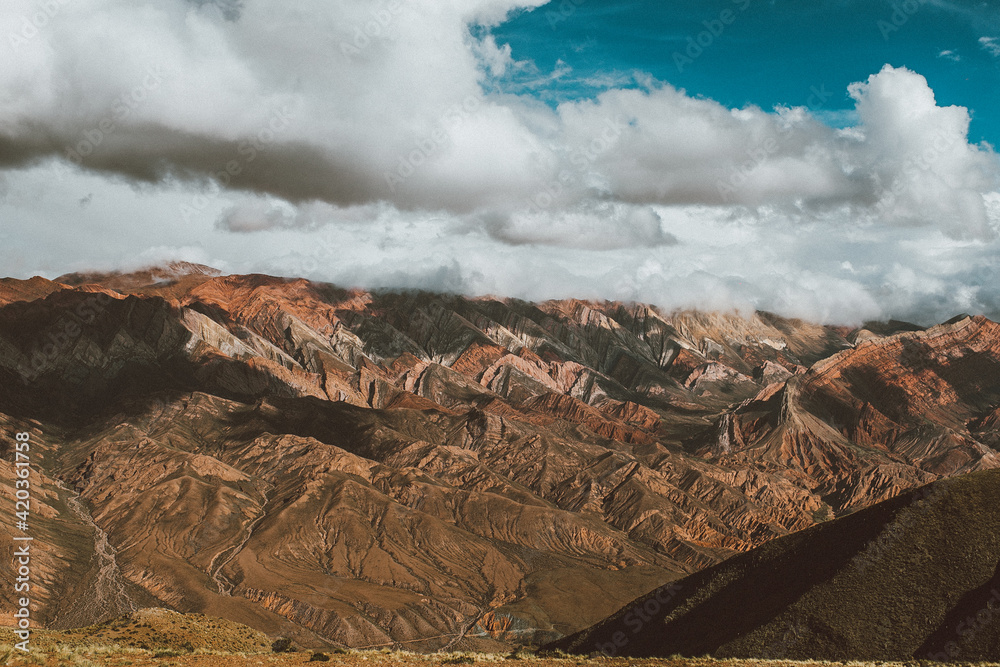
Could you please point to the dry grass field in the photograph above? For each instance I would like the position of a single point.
(52, 653)
(190, 640)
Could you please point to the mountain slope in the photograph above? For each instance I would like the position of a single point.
(374, 468)
(915, 576)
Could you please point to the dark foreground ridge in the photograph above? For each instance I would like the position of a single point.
(912, 577)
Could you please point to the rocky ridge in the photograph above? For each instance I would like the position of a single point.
(372, 469)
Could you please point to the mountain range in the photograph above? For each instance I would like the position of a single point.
(395, 468)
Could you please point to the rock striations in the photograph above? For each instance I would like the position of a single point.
(917, 576)
(370, 469)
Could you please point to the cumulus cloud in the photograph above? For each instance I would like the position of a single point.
(600, 226)
(918, 154)
(255, 215)
(820, 270)
(991, 45)
(255, 126)
(307, 101)
(356, 106)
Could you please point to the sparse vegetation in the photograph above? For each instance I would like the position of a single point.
(51, 649)
(282, 645)
(823, 513)
(399, 659)
(167, 653)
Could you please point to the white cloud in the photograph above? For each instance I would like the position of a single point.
(495, 59)
(992, 45)
(356, 105)
(599, 226)
(244, 132)
(924, 169)
(256, 215)
(948, 54)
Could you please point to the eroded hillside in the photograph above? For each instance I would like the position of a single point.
(372, 469)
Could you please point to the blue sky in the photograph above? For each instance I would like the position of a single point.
(822, 159)
(771, 53)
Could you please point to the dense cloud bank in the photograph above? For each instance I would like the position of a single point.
(247, 131)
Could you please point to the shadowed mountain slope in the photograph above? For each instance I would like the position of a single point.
(917, 576)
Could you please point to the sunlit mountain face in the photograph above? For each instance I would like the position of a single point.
(369, 468)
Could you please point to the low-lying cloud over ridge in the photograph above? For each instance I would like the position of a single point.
(237, 120)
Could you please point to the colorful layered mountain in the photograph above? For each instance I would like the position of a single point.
(429, 470)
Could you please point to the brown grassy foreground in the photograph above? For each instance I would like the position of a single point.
(112, 656)
(84, 648)
(166, 638)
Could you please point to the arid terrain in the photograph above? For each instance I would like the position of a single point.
(424, 471)
(159, 638)
(917, 576)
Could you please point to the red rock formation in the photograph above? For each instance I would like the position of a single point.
(375, 468)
